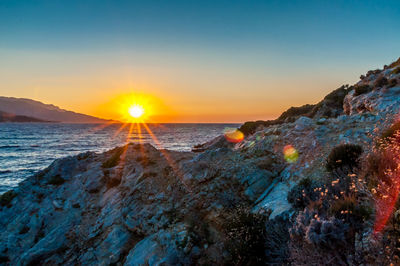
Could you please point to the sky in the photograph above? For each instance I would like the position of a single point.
(194, 61)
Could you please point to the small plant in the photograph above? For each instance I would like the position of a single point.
(395, 63)
(392, 83)
(114, 159)
(6, 198)
(396, 71)
(149, 174)
(277, 239)
(391, 132)
(293, 112)
(266, 163)
(344, 156)
(361, 89)
(373, 72)
(4, 259)
(305, 192)
(246, 237)
(250, 127)
(145, 161)
(327, 233)
(24, 230)
(318, 231)
(380, 82)
(348, 209)
(56, 180)
(197, 227)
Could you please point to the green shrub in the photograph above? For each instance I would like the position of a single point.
(344, 156)
(56, 180)
(145, 161)
(373, 72)
(277, 239)
(391, 132)
(392, 83)
(337, 96)
(246, 237)
(198, 230)
(348, 209)
(396, 70)
(4, 259)
(361, 89)
(305, 192)
(149, 174)
(114, 159)
(380, 82)
(250, 127)
(6, 198)
(395, 63)
(25, 229)
(293, 112)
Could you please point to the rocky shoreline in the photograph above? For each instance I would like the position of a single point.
(225, 204)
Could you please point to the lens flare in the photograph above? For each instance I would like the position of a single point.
(290, 154)
(233, 135)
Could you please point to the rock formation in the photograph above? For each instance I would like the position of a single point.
(136, 205)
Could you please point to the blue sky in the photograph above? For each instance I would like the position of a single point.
(240, 53)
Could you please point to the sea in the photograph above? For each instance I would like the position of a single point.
(26, 148)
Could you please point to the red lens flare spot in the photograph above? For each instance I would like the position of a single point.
(290, 154)
(234, 135)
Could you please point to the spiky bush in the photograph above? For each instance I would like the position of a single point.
(114, 159)
(380, 82)
(301, 222)
(7, 197)
(326, 233)
(349, 210)
(306, 191)
(395, 63)
(392, 83)
(250, 127)
(277, 238)
(361, 89)
(396, 70)
(344, 156)
(390, 133)
(293, 113)
(322, 232)
(246, 237)
(56, 180)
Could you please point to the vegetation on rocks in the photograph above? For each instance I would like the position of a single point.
(392, 83)
(56, 180)
(361, 89)
(344, 156)
(305, 192)
(380, 82)
(396, 70)
(7, 197)
(292, 113)
(239, 203)
(246, 236)
(114, 159)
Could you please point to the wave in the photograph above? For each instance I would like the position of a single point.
(5, 172)
(9, 146)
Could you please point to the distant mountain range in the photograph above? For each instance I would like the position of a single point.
(18, 109)
(7, 117)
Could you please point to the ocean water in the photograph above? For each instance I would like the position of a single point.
(28, 147)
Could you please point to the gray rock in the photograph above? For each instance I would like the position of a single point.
(303, 123)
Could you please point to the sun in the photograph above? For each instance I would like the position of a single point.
(136, 111)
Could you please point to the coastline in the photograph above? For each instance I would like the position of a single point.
(135, 204)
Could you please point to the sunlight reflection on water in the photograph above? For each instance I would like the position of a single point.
(26, 148)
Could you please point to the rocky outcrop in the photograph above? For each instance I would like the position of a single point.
(136, 205)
